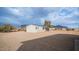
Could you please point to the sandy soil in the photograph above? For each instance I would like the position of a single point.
(12, 41)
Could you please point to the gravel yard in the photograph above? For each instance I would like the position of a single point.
(12, 41)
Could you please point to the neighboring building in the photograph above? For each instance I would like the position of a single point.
(34, 28)
(64, 29)
(76, 29)
(59, 27)
(23, 27)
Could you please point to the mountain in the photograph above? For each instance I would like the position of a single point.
(59, 26)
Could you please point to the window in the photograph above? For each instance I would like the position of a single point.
(36, 27)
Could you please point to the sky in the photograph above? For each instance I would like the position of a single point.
(65, 16)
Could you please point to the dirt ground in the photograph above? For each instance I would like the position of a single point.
(13, 40)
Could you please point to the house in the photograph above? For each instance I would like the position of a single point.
(64, 29)
(34, 28)
(59, 27)
(23, 27)
(76, 29)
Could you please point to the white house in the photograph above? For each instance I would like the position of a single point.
(64, 29)
(76, 29)
(34, 28)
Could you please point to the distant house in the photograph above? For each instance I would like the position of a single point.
(76, 29)
(59, 27)
(64, 28)
(34, 28)
(23, 27)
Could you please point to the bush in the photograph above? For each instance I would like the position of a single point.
(6, 28)
(1, 28)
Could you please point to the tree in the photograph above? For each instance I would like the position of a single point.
(47, 25)
(6, 28)
(1, 28)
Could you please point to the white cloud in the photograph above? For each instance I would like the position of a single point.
(54, 14)
(14, 11)
(55, 17)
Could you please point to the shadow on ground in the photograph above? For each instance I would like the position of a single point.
(59, 42)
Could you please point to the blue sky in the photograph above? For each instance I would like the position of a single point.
(65, 16)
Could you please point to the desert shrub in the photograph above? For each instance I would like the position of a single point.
(1, 28)
(6, 28)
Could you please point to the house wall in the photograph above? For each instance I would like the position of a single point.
(76, 29)
(39, 29)
(33, 28)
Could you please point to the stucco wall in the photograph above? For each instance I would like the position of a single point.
(33, 28)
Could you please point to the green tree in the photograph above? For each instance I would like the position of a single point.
(47, 25)
(1, 28)
(6, 28)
